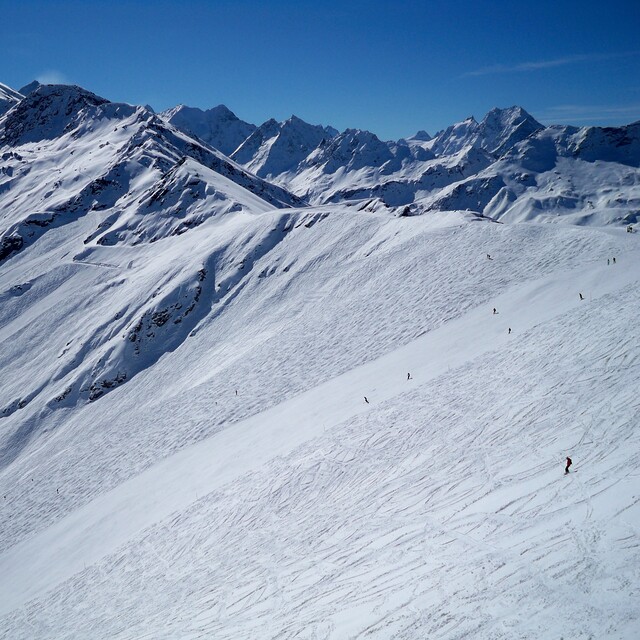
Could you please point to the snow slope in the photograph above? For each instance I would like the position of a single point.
(438, 509)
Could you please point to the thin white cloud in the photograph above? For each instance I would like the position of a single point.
(576, 114)
(547, 64)
(52, 76)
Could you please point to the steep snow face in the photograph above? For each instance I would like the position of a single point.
(218, 127)
(276, 148)
(586, 176)
(454, 138)
(501, 129)
(451, 170)
(8, 98)
(67, 153)
(252, 145)
(395, 174)
(498, 132)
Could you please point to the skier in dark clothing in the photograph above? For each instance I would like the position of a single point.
(581, 298)
(569, 463)
(408, 376)
(365, 399)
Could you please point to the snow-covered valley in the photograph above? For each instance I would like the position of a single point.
(186, 449)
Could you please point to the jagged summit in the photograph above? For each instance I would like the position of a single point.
(501, 129)
(218, 127)
(455, 137)
(49, 112)
(350, 150)
(421, 135)
(30, 88)
(275, 147)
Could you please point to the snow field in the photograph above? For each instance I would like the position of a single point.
(438, 510)
(314, 317)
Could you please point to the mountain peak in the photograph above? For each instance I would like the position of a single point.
(421, 135)
(219, 127)
(501, 129)
(30, 88)
(47, 112)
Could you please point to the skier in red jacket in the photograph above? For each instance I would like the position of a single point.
(569, 463)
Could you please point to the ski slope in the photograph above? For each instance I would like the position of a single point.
(439, 509)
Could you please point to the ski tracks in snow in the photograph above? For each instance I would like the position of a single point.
(438, 511)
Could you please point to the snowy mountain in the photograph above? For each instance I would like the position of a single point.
(277, 147)
(8, 98)
(218, 127)
(507, 166)
(72, 160)
(228, 413)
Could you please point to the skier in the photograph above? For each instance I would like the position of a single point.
(489, 257)
(569, 463)
(614, 261)
(365, 399)
(581, 298)
(408, 376)
(608, 261)
(495, 311)
(509, 330)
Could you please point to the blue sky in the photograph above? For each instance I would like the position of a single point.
(390, 67)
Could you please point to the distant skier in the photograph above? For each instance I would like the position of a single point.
(614, 261)
(495, 311)
(581, 297)
(569, 463)
(408, 376)
(608, 261)
(489, 257)
(236, 392)
(365, 399)
(509, 330)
